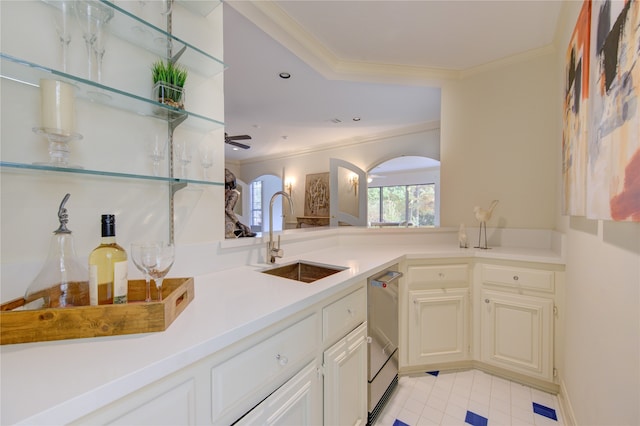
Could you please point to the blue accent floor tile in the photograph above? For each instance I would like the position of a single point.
(545, 411)
(399, 423)
(433, 373)
(475, 419)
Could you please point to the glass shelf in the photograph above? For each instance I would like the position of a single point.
(71, 170)
(200, 7)
(29, 73)
(141, 33)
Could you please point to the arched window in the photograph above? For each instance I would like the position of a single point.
(404, 191)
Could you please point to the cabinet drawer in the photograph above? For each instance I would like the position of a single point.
(533, 279)
(343, 315)
(240, 382)
(439, 274)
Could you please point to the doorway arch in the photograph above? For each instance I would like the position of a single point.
(415, 178)
(261, 189)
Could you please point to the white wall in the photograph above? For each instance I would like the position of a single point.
(601, 369)
(499, 140)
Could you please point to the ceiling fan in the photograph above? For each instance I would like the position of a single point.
(231, 140)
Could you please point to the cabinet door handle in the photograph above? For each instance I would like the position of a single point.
(516, 278)
(282, 360)
(487, 301)
(351, 311)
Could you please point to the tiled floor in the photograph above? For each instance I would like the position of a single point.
(467, 397)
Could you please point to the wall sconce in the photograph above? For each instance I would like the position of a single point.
(354, 183)
(288, 185)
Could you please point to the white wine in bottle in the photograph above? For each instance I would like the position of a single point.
(108, 277)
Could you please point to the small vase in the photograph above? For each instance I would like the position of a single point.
(169, 94)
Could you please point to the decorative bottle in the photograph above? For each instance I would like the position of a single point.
(63, 279)
(108, 275)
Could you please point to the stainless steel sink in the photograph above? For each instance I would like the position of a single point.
(306, 272)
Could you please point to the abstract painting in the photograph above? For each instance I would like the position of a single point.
(576, 119)
(316, 195)
(613, 170)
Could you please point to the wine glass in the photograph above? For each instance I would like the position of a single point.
(62, 15)
(206, 160)
(144, 256)
(157, 148)
(92, 17)
(165, 255)
(99, 45)
(183, 155)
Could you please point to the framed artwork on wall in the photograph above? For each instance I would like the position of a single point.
(601, 123)
(613, 172)
(316, 194)
(576, 119)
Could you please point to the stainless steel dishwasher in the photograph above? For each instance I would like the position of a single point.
(382, 318)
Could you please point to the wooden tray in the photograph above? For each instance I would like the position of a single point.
(137, 316)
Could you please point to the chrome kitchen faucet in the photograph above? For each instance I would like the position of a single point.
(274, 250)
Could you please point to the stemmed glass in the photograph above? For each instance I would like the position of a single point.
(157, 148)
(164, 261)
(153, 259)
(62, 16)
(144, 257)
(99, 44)
(183, 155)
(206, 160)
(93, 17)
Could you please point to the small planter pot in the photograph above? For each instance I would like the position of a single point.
(169, 94)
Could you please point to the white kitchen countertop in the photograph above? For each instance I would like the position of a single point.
(56, 382)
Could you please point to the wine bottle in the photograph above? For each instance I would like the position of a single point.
(108, 277)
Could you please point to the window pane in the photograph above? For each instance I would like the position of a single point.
(403, 204)
(256, 203)
(421, 204)
(394, 207)
(373, 206)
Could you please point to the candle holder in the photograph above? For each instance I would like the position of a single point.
(58, 147)
(58, 120)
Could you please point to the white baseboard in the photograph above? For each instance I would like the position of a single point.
(566, 410)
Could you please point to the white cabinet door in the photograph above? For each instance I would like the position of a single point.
(345, 380)
(246, 378)
(517, 333)
(297, 402)
(438, 325)
(169, 402)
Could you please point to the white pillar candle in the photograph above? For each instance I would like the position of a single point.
(58, 107)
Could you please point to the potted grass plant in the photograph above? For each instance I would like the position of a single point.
(168, 83)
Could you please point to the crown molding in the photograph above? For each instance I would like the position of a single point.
(271, 19)
(347, 143)
(510, 60)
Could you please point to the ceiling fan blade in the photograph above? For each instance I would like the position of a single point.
(238, 144)
(238, 137)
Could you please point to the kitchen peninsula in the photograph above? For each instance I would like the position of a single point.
(64, 381)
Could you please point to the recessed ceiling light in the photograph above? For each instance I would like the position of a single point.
(285, 75)
(356, 119)
(336, 120)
